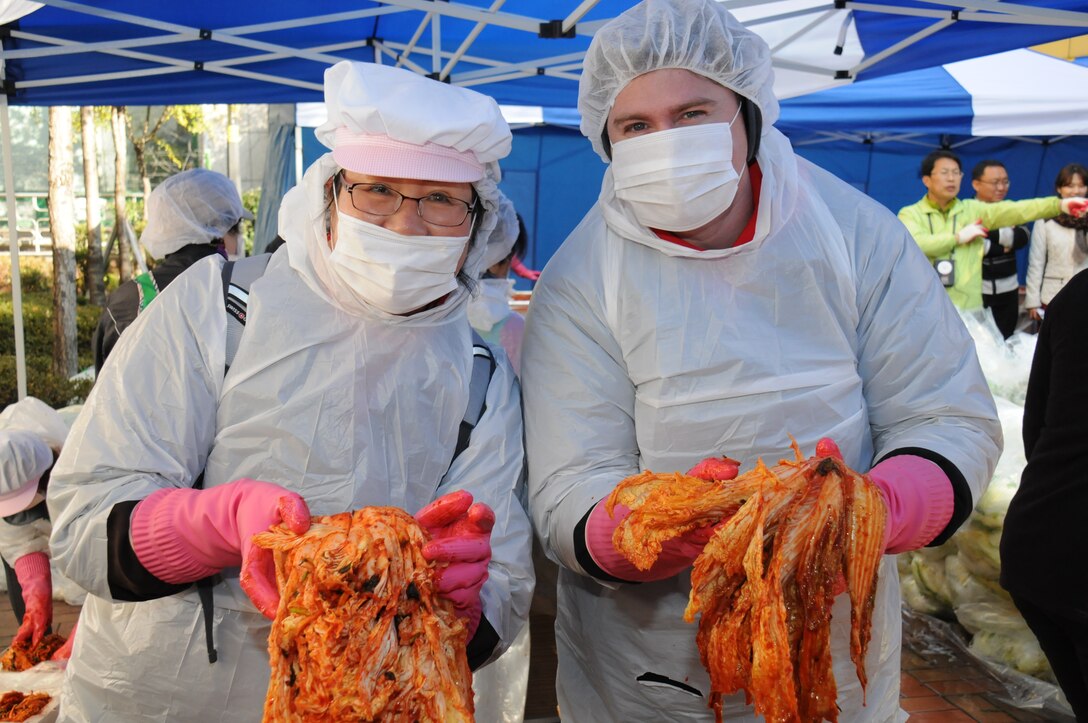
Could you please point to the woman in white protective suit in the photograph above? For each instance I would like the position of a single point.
(722, 295)
(349, 388)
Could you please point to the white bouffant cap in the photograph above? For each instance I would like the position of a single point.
(191, 207)
(696, 35)
(386, 121)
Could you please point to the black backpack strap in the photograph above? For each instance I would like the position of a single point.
(483, 368)
(238, 277)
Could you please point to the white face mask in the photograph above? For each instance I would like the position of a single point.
(678, 179)
(492, 305)
(389, 271)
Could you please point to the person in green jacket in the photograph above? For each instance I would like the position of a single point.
(946, 227)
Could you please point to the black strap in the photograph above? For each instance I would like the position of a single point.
(483, 368)
(207, 607)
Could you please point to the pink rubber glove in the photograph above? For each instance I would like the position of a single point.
(64, 652)
(1074, 206)
(461, 538)
(36, 580)
(919, 498)
(676, 555)
(183, 535)
(522, 270)
(715, 468)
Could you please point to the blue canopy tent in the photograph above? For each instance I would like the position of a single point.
(117, 52)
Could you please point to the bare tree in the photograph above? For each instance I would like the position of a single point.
(121, 230)
(96, 286)
(62, 224)
(144, 141)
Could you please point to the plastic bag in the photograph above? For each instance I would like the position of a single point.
(1005, 363)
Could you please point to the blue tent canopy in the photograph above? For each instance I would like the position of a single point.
(528, 52)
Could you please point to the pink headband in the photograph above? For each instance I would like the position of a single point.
(380, 155)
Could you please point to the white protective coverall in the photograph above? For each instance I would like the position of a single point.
(643, 354)
(346, 410)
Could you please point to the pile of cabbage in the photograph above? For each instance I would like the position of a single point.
(959, 580)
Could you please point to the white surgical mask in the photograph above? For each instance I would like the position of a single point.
(390, 271)
(678, 179)
(492, 305)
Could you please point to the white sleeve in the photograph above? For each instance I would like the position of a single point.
(1036, 266)
(923, 384)
(148, 423)
(19, 540)
(579, 412)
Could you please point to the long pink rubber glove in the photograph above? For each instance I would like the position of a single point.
(37, 582)
(461, 538)
(183, 535)
(919, 498)
(917, 493)
(64, 652)
(676, 555)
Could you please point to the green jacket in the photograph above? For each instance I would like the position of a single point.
(935, 232)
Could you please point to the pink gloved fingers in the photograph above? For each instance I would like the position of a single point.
(464, 576)
(258, 580)
(294, 513)
(715, 468)
(36, 581)
(458, 549)
(444, 510)
(676, 555)
(919, 498)
(827, 447)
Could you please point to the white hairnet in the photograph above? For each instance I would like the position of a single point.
(383, 121)
(498, 244)
(191, 207)
(696, 35)
(33, 415)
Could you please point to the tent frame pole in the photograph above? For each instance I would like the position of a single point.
(13, 245)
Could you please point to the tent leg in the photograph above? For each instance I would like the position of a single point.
(13, 245)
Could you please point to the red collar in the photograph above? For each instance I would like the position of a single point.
(749, 230)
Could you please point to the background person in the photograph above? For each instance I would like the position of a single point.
(722, 295)
(190, 215)
(946, 227)
(1000, 281)
(32, 434)
(349, 388)
(489, 312)
(1048, 509)
(1058, 246)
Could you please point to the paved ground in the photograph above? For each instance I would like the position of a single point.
(938, 686)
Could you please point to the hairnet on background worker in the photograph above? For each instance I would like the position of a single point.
(348, 389)
(644, 351)
(190, 215)
(196, 206)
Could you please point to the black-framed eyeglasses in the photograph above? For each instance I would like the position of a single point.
(436, 208)
(996, 184)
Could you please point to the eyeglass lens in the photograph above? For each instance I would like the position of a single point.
(381, 200)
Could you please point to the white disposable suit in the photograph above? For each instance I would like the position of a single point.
(347, 410)
(644, 354)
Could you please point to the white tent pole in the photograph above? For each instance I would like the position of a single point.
(577, 14)
(466, 43)
(904, 43)
(13, 245)
(816, 21)
(436, 43)
(413, 40)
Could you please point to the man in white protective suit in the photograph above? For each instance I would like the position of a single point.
(722, 295)
(349, 388)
